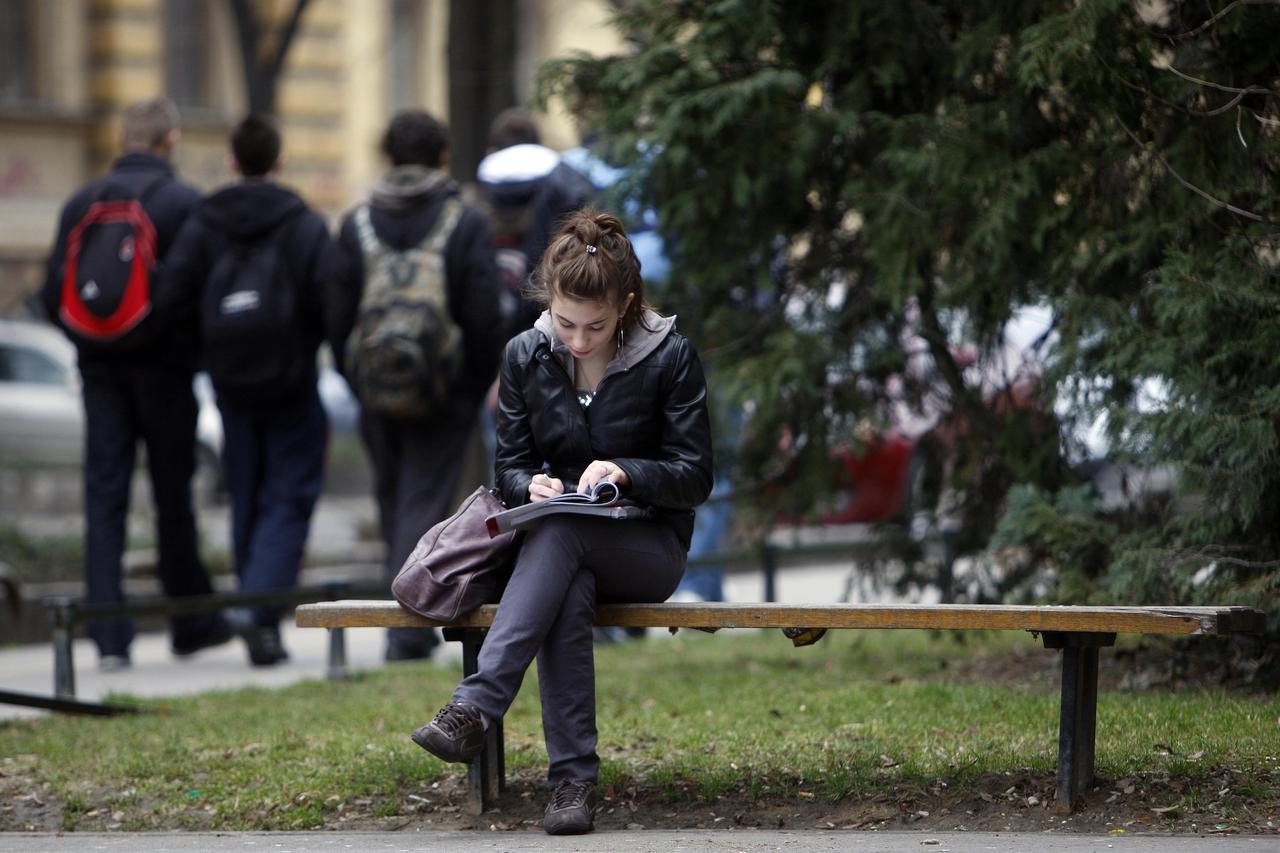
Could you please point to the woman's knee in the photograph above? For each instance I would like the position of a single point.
(557, 533)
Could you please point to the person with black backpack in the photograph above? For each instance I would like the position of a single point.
(249, 265)
(136, 370)
(416, 323)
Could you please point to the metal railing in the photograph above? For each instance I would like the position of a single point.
(65, 613)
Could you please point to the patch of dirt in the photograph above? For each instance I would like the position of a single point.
(1011, 802)
(25, 804)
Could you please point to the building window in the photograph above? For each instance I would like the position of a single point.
(17, 33)
(187, 53)
(405, 53)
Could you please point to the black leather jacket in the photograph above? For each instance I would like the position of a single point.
(650, 419)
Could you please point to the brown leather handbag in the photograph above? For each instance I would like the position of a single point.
(456, 565)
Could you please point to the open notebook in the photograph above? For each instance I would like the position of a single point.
(604, 500)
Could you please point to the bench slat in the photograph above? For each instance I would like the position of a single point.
(1126, 620)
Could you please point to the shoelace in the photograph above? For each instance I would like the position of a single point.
(451, 718)
(569, 794)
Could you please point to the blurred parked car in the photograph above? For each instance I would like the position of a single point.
(42, 412)
(902, 472)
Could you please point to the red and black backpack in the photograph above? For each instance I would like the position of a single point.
(110, 259)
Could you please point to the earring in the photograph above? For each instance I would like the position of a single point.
(619, 334)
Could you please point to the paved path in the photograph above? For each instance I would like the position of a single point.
(689, 841)
(156, 672)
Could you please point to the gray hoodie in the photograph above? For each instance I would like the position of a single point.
(636, 344)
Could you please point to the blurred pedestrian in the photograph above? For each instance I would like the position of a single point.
(416, 321)
(251, 264)
(526, 189)
(136, 370)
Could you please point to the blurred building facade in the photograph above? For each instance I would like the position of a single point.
(68, 66)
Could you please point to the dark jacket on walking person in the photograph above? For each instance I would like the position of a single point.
(526, 190)
(602, 388)
(250, 266)
(417, 458)
(138, 386)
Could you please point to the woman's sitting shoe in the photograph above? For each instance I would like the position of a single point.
(456, 734)
(572, 808)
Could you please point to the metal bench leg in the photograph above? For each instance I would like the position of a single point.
(337, 669)
(62, 616)
(484, 774)
(1077, 726)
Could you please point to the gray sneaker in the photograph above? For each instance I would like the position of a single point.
(456, 734)
(572, 808)
(113, 663)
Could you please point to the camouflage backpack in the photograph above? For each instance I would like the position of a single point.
(404, 356)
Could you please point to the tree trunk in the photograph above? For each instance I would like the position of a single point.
(262, 63)
(482, 52)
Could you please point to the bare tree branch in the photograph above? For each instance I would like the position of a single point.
(1137, 87)
(1216, 554)
(286, 36)
(1251, 90)
(261, 75)
(1147, 147)
(1222, 14)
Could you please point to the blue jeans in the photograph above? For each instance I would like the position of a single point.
(274, 460)
(125, 402)
(710, 534)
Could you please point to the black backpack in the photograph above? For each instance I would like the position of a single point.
(109, 269)
(250, 324)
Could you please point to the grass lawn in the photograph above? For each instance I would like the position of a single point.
(863, 729)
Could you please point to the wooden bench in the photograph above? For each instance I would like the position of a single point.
(1077, 631)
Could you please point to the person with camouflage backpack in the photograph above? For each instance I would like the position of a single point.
(416, 323)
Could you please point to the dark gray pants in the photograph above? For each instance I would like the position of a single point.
(416, 467)
(566, 565)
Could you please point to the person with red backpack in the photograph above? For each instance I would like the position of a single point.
(250, 264)
(136, 368)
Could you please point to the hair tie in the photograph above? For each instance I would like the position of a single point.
(591, 250)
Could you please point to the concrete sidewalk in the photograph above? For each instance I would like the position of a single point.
(156, 672)
(685, 841)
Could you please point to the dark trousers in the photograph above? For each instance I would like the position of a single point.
(124, 403)
(274, 460)
(416, 467)
(566, 565)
